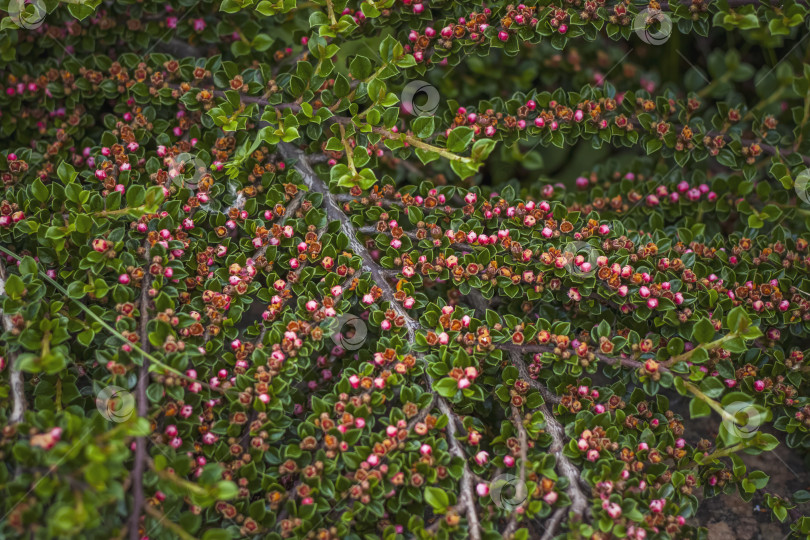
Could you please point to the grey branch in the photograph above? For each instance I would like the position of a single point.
(523, 438)
(548, 395)
(335, 213)
(579, 502)
(18, 404)
(142, 406)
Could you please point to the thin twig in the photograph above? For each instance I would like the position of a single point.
(174, 527)
(553, 523)
(290, 211)
(16, 381)
(467, 498)
(517, 420)
(579, 502)
(548, 395)
(142, 404)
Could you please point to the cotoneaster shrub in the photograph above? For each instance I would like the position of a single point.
(399, 269)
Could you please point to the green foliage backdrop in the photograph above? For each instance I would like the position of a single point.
(396, 269)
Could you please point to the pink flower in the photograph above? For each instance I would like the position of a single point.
(613, 510)
(657, 506)
(482, 489)
(593, 455)
(644, 292)
(482, 457)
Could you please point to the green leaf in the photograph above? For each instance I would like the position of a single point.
(423, 126)
(39, 190)
(437, 498)
(481, 149)
(459, 139)
(703, 332)
(360, 67)
(699, 408)
(342, 87)
(216, 534)
(14, 286)
(446, 387)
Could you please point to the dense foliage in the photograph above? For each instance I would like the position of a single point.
(380, 269)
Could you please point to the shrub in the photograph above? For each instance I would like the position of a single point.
(390, 270)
